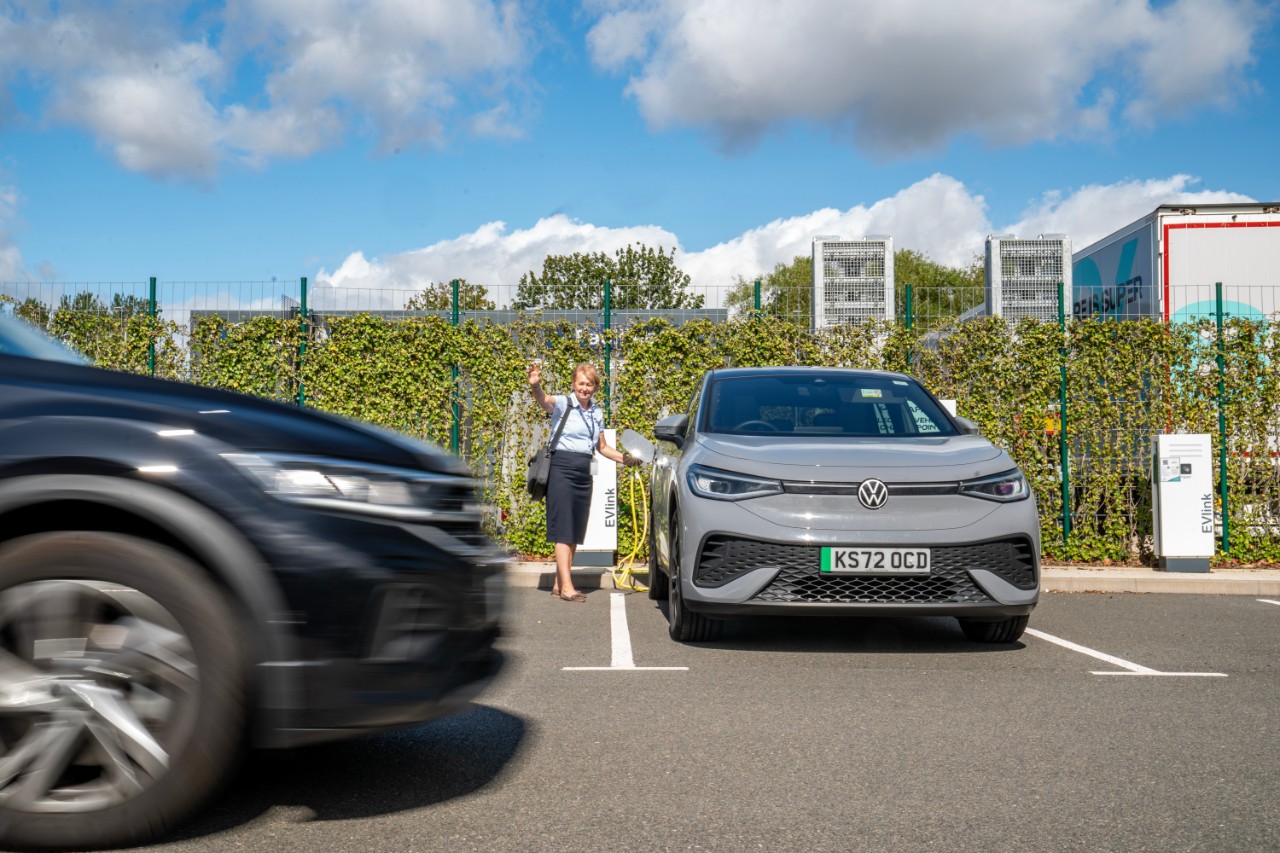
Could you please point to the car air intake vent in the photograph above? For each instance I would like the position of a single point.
(943, 587)
(1013, 560)
(725, 558)
(409, 621)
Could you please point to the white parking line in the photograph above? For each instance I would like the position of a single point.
(1130, 667)
(623, 659)
(1268, 601)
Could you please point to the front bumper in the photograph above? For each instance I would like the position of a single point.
(392, 624)
(730, 575)
(346, 698)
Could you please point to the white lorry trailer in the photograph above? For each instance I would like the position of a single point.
(1165, 265)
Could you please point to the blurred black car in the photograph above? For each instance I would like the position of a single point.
(185, 572)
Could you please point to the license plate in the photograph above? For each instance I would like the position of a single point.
(897, 561)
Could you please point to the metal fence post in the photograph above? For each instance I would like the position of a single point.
(608, 348)
(1222, 426)
(910, 317)
(453, 429)
(1064, 458)
(302, 345)
(151, 311)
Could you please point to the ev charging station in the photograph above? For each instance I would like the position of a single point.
(601, 544)
(1182, 501)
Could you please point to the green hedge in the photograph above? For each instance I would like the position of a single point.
(1125, 381)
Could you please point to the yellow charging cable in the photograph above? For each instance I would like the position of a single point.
(624, 572)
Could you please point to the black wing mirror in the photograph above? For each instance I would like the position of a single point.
(672, 428)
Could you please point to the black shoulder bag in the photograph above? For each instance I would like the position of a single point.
(535, 479)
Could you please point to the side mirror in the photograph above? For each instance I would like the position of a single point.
(967, 427)
(672, 428)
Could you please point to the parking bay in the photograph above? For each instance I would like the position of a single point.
(841, 734)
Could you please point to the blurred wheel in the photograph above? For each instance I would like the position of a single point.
(121, 689)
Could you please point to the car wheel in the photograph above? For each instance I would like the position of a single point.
(1003, 631)
(683, 624)
(657, 580)
(122, 689)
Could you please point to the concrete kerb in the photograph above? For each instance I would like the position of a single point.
(1256, 582)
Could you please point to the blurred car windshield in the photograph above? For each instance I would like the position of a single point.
(17, 337)
(823, 405)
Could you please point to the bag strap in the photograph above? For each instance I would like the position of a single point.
(568, 405)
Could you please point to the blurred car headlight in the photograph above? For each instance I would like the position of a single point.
(333, 484)
(1006, 488)
(727, 486)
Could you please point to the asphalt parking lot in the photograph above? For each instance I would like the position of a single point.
(1124, 722)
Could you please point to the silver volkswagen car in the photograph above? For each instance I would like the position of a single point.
(836, 491)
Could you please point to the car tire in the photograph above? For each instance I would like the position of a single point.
(1003, 631)
(683, 624)
(658, 588)
(132, 667)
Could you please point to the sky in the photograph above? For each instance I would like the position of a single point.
(390, 144)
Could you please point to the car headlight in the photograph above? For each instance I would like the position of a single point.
(726, 486)
(397, 493)
(1006, 488)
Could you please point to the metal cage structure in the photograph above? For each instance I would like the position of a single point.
(852, 281)
(1023, 276)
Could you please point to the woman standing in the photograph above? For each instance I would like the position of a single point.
(572, 462)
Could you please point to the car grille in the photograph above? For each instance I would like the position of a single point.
(457, 514)
(724, 558)
(466, 530)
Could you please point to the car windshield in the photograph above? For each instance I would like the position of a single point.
(19, 338)
(823, 404)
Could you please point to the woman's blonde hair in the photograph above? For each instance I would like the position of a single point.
(589, 371)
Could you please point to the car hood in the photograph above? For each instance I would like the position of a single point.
(839, 459)
(42, 389)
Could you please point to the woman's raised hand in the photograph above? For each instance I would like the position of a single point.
(535, 373)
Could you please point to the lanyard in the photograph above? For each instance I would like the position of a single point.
(591, 428)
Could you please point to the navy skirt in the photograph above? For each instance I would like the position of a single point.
(568, 497)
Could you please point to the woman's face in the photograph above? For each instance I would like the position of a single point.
(584, 388)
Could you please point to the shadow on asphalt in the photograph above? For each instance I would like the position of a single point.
(815, 634)
(369, 776)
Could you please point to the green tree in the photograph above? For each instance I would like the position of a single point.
(640, 276)
(129, 306)
(120, 307)
(84, 302)
(439, 297)
(34, 312)
(785, 292)
(937, 291)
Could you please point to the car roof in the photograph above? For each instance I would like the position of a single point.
(734, 372)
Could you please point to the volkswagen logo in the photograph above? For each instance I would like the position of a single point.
(873, 493)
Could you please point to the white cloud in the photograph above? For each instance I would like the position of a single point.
(911, 74)
(11, 266)
(1212, 43)
(937, 215)
(259, 79)
(489, 255)
(1090, 213)
(401, 64)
